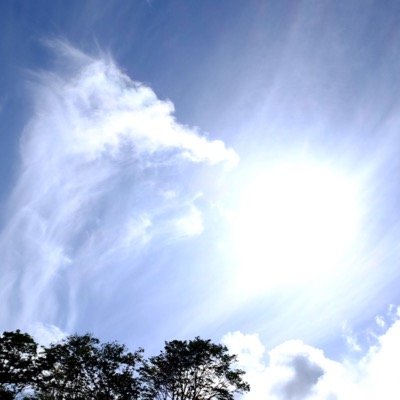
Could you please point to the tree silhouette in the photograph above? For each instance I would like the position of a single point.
(192, 370)
(17, 363)
(82, 368)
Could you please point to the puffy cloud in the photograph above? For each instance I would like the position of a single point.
(306, 374)
(294, 370)
(45, 334)
(98, 169)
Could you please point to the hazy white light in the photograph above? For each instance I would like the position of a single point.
(294, 222)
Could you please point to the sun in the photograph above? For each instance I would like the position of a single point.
(293, 222)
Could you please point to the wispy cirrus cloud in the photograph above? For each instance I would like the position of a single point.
(296, 371)
(97, 158)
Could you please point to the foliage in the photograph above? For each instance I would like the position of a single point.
(17, 363)
(192, 370)
(82, 368)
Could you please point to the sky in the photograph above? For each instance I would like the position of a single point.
(223, 169)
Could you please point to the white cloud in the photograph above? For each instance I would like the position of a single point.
(380, 321)
(350, 338)
(190, 224)
(46, 334)
(96, 162)
(296, 371)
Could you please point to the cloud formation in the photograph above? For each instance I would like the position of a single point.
(98, 181)
(296, 371)
(46, 334)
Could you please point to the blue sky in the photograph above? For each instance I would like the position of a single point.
(226, 169)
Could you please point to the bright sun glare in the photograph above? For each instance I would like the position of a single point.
(293, 223)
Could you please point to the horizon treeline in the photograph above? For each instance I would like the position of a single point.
(80, 367)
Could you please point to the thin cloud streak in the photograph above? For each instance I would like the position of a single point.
(96, 162)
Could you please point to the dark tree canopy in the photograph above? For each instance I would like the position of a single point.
(17, 363)
(82, 368)
(192, 370)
